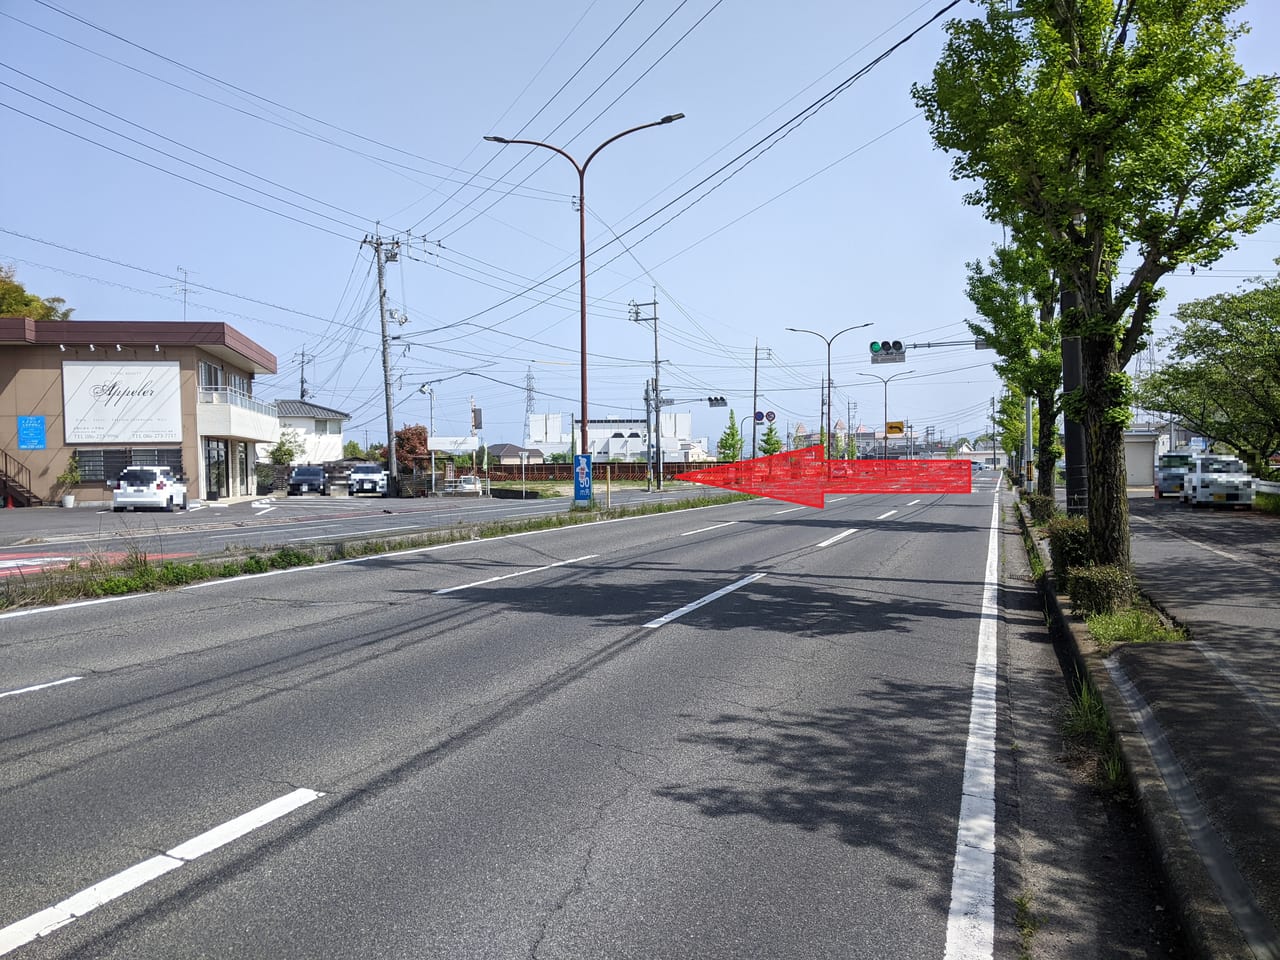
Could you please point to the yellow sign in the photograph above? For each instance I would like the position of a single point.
(894, 428)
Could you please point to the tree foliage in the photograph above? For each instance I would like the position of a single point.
(288, 448)
(730, 445)
(15, 301)
(1016, 295)
(1223, 375)
(351, 450)
(771, 441)
(1124, 136)
(412, 447)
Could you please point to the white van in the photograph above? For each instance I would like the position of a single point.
(1218, 480)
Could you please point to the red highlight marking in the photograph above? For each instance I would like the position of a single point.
(806, 477)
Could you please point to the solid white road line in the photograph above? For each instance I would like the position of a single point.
(689, 533)
(51, 918)
(838, 537)
(689, 607)
(518, 573)
(40, 686)
(789, 510)
(264, 510)
(971, 920)
(886, 516)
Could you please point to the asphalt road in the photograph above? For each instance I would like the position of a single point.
(743, 731)
(50, 537)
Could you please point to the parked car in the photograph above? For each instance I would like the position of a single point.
(367, 478)
(307, 479)
(467, 484)
(142, 486)
(1219, 481)
(1171, 469)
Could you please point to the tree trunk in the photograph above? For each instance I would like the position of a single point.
(1107, 411)
(1046, 441)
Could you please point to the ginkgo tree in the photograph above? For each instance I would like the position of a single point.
(1125, 138)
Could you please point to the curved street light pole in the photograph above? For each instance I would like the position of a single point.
(885, 381)
(828, 341)
(582, 232)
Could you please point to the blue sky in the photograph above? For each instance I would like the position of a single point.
(317, 121)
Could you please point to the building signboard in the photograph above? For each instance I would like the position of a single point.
(122, 401)
(31, 433)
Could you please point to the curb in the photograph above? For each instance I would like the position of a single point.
(1210, 930)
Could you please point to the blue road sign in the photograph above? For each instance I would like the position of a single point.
(582, 478)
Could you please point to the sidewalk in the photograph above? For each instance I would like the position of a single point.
(1199, 723)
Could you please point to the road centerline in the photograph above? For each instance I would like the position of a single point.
(789, 510)
(886, 516)
(838, 537)
(518, 573)
(690, 607)
(39, 686)
(717, 526)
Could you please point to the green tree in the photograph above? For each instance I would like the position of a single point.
(1223, 378)
(730, 445)
(351, 450)
(15, 301)
(1015, 293)
(1115, 133)
(558, 458)
(771, 441)
(288, 448)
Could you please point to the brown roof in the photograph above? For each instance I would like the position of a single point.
(220, 339)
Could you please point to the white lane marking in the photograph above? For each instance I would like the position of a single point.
(886, 516)
(789, 510)
(40, 686)
(70, 606)
(518, 573)
(265, 510)
(1164, 528)
(971, 920)
(838, 537)
(689, 607)
(837, 499)
(23, 562)
(689, 533)
(104, 891)
(913, 503)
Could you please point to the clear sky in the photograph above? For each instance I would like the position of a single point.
(254, 146)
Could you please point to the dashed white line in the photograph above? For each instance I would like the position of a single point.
(789, 510)
(838, 537)
(263, 511)
(837, 499)
(689, 607)
(689, 533)
(40, 686)
(886, 516)
(913, 503)
(51, 918)
(518, 573)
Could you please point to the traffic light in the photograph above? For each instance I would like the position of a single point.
(717, 401)
(888, 351)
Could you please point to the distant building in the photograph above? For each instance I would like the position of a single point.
(319, 429)
(508, 454)
(616, 438)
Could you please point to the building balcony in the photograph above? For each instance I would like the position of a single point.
(223, 412)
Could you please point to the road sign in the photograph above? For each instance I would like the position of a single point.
(894, 428)
(759, 416)
(770, 416)
(582, 478)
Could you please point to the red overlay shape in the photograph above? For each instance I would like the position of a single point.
(806, 476)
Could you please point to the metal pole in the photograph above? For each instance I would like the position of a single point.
(393, 473)
(886, 419)
(657, 399)
(755, 401)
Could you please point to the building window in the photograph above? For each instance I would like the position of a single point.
(240, 383)
(210, 374)
(105, 464)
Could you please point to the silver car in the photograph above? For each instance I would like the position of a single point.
(156, 487)
(1171, 470)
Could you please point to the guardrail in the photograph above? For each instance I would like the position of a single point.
(1267, 486)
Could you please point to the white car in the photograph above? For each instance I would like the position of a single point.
(367, 478)
(1171, 471)
(1217, 480)
(156, 487)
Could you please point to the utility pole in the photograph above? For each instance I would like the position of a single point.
(656, 457)
(648, 429)
(302, 375)
(385, 252)
(755, 400)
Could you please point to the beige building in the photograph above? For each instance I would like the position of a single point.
(115, 393)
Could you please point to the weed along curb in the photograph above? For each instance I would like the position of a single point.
(1210, 931)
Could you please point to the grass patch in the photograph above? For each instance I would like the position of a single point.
(1138, 624)
(94, 576)
(1267, 502)
(1027, 923)
(1088, 727)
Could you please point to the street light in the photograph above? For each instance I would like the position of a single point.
(582, 231)
(829, 340)
(885, 381)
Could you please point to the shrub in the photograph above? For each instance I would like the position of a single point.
(1138, 624)
(1068, 544)
(1105, 588)
(1041, 507)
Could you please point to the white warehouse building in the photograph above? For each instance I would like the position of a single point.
(617, 438)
